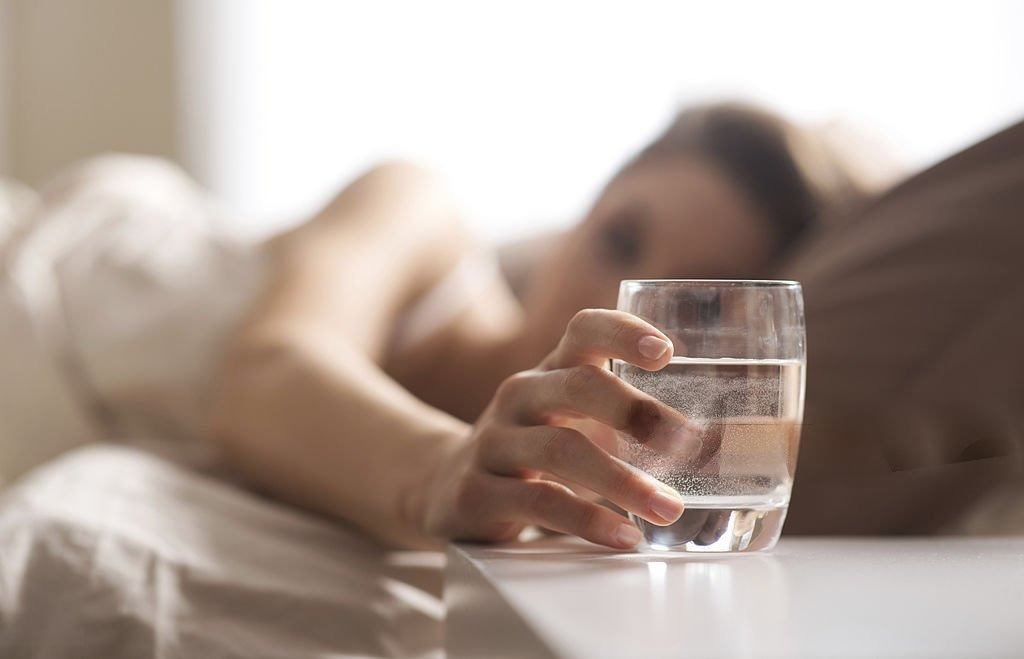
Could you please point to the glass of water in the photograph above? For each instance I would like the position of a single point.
(738, 374)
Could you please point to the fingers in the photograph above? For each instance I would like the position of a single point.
(595, 335)
(569, 455)
(554, 506)
(690, 526)
(715, 525)
(572, 384)
(707, 457)
(591, 392)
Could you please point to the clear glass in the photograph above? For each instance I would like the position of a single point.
(738, 372)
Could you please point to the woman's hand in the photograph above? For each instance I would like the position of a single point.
(500, 481)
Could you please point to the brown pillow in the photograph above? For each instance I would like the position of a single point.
(915, 320)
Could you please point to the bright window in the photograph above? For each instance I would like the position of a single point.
(528, 106)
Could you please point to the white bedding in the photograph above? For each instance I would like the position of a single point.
(117, 290)
(111, 552)
(118, 287)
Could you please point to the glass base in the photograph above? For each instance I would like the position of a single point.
(717, 530)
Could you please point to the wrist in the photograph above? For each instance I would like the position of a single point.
(428, 469)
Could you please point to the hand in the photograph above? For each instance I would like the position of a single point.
(501, 480)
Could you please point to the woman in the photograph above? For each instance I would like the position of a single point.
(474, 430)
(380, 370)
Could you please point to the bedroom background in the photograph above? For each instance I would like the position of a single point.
(526, 108)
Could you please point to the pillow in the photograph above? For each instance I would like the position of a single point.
(116, 293)
(915, 386)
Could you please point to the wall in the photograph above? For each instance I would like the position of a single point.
(84, 77)
(4, 58)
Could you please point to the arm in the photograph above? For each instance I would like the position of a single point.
(301, 406)
(519, 259)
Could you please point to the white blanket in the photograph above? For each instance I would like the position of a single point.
(110, 552)
(117, 290)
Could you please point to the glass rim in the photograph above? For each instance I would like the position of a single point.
(751, 283)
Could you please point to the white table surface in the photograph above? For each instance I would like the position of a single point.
(821, 597)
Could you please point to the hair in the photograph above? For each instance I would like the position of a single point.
(788, 173)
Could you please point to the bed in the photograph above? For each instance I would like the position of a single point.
(915, 424)
(111, 551)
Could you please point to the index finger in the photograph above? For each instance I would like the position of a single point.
(594, 336)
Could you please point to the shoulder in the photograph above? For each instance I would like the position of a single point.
(396, 210)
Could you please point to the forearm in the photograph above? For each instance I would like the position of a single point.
(324, 428)
(301, 404)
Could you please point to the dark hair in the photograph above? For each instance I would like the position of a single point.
(786, 173)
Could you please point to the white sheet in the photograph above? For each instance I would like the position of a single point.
(116, 293)
(111, 552)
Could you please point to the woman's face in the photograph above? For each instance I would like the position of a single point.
(663, 219)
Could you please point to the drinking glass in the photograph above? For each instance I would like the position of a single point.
(737, 373)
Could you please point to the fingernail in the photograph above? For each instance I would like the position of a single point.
(667, 507)
(668, 489)
(652, 347)
(628, 535)
(659, 485)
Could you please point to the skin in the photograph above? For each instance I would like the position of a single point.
(675, 218)
(662, 219)
(500, 419)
